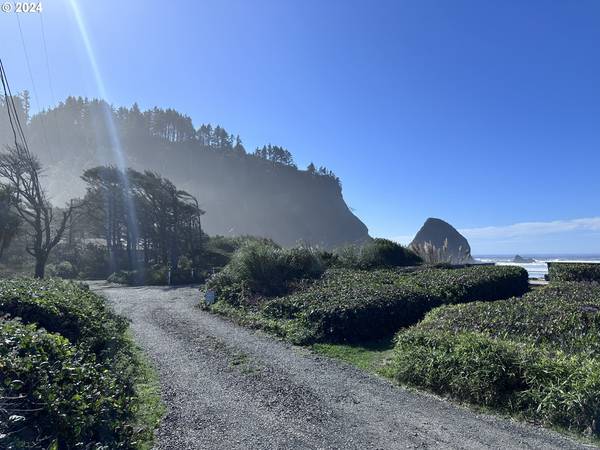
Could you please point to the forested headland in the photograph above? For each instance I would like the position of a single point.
(259, 192)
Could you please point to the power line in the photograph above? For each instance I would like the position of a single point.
(13, 116)
(35, 95)
(46, 58)
(52, 96)
(7, 102)
(37, 101)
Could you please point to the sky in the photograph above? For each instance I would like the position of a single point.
(484, 114)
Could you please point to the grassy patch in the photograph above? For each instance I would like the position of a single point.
(370, 356)
(149, 409)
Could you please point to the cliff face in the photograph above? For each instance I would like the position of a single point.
(445, 237)
(241, 193)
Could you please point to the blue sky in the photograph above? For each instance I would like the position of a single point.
(485, 114)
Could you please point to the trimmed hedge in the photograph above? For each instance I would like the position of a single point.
(51, 393)
(64, 307)
(550, 387)
(353, 304)
(69, 375)
(564, 316)
(537, 355)
(562, 271)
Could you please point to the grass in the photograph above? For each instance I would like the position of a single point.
(150, 409)
(371, 356)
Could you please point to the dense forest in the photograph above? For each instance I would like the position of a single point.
(260, 192)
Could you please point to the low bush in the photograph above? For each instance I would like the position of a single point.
(537, 355)
(560, 271)
(70, 377)
(355, 304)
(89, 261)
(263, 268)
(64, 307)
(62, 270)
(51, 393)
(550, 387)
(157, 276)
(378, 253)
(564, 316)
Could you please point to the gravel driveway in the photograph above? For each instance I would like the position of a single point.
(227, 387)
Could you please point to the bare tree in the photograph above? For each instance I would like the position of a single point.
(21, 170)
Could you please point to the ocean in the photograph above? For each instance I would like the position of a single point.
(538, 268)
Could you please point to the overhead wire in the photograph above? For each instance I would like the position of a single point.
(49, 73)
(35, 94)
(45, 47)
(13, 115)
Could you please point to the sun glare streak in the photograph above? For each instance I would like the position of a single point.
(115, 141)
(115, 147)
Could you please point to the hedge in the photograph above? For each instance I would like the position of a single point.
(549, 387)
(53, 394)
(69, 375)
(536, 356)
(64, 307)
(562, 271)
(564, 316)
(354, 304)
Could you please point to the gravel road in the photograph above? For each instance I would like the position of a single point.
(226, 387)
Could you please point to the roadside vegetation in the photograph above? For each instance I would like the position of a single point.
(475, 334)
(564, 271)
(308, 297)
(70, 375)
(535, 356)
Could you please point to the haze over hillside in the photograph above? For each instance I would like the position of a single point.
(262, 193)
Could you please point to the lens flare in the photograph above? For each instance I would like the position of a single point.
(115, 142)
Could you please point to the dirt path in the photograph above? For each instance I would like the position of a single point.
(226, 387)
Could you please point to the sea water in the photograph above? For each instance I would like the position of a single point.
(539, 267)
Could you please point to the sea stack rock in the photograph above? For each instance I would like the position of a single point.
(519, 259)
(442, 239)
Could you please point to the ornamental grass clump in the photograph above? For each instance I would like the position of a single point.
(378, 253)
(265, 269)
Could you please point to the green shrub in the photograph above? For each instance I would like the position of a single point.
(157, 276)
(263, 268)
(52, 393)
(87, 261)
(564, 316)
(353, 304)
(560, 271)
(550, 387)
(64, 307)
(378, 253)
(537, 355)
(63, 269)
